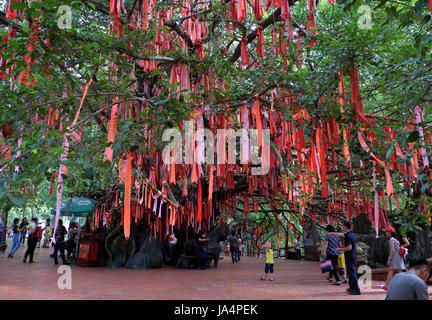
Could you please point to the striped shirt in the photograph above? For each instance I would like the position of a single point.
(333, 244)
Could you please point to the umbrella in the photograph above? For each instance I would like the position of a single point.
(78, 207)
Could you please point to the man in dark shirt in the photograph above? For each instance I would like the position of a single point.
(350, 257)
(199, 249)
(23, 233)
(59, 242)
(233, 246)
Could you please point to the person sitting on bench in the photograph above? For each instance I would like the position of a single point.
(199, 249)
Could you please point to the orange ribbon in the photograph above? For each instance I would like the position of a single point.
(127, 199)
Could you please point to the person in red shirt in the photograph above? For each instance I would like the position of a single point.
(39, 236)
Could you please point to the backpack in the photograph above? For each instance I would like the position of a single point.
(233, 242)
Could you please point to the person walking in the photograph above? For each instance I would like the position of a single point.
(403, 240)
(34, 230)
(331, 243)
(410, 285)
(350, 257)
(239, 247)
(60, 243)
(395, 261)
(39, 237)
(298, 248)
(269, 266)
(72, 238)
(23, 233)
(233, 247)
(3, 228)
(15, 238)
(47, 234)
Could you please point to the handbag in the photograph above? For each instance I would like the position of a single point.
(402, 250)
(326, 266)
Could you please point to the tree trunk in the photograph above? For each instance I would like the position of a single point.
(3, 244)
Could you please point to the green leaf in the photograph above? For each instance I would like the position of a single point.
(91, 4)
(49, 4)
(419, 6)
(35, 14)
(36, 5)
(390, 151)
(18, 5)
(425, 20)
(413, 137)
(421, 177)
(17, 201)
(424, 187)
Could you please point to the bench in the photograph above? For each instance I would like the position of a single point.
(380, 274)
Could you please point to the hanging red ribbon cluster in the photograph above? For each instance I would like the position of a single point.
(308, 143)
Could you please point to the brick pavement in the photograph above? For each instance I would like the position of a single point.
(293, 280)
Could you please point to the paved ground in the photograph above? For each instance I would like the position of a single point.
(293, 280)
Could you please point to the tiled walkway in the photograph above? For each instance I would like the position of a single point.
(293, 280)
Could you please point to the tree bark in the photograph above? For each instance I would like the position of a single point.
(3, 244)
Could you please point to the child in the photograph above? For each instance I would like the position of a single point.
(269, 262)
(47, 234)
(319, 249)
(341, 266)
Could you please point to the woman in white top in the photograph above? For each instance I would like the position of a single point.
(239, 247)
(395, 261)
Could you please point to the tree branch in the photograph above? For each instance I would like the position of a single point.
(274, 17)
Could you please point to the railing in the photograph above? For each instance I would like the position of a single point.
(278, 253)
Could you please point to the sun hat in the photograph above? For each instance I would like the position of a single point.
(389, 229)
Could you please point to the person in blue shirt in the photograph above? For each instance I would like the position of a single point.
(410, 285)
(15, 238)
(2, 227)
(331, 243)
(350, 257)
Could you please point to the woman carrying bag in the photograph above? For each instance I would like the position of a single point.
(32, 241)
(395, 261)
(331, 243)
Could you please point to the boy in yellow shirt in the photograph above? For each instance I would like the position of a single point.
(341, 267)
(269, 262)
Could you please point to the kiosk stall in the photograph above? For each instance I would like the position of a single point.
(88, 243)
